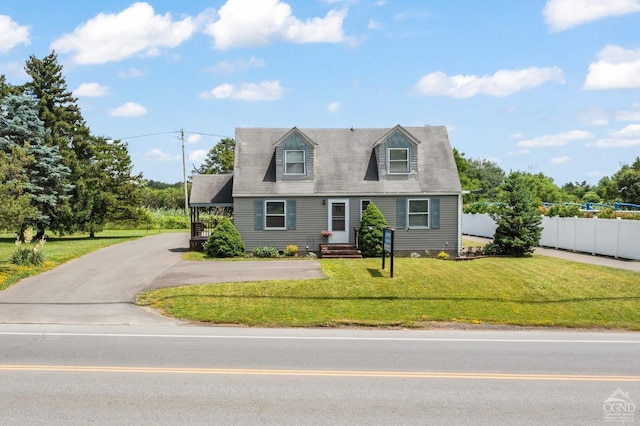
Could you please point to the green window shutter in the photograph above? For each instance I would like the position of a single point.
(291, 215)
(401, 213)
(435, 213)
(258, 211)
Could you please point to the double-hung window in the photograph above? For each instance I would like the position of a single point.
(398, 160)
(275, 215)
(294, 162)
(419, 213)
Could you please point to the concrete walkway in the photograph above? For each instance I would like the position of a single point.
(101, 287)
(630, 265)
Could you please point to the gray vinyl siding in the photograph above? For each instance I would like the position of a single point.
(311, 218)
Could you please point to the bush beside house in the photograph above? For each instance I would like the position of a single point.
(225, 241)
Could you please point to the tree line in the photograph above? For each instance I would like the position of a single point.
(56, 175)
(484, 180)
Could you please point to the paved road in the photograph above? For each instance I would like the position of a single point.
(101, 287)
(207, 375)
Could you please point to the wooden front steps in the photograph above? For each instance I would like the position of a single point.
(339, 251)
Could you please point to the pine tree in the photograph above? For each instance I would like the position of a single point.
(518, 231)
(371, 229)
(47, 184)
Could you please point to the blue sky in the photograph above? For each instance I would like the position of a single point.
(540, 86)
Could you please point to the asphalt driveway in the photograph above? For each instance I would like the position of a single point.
(101, 287)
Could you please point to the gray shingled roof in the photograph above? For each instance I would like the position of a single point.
(340, 163)
(211, 190)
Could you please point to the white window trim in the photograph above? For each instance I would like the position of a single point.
(266, 228)
(304, 162)
(389, 161)
(361, 209)
(428, 213)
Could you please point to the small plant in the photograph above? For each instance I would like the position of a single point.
(291, 250)
(443, 255)
(427, 253)
(312, 255)
(25, 255)
(264, 251)
(414, 255)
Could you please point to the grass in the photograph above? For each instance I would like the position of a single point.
(58, 250)
(536, 291)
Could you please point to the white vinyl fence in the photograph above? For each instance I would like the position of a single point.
(608, 237)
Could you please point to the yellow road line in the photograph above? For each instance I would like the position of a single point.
(320, 373)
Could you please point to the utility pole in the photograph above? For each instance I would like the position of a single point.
(184, 174)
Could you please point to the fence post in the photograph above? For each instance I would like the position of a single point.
(595, 235)
(618, 222)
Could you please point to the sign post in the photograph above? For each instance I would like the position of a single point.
(387, 247)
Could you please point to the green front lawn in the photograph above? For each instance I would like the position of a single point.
(537, 291)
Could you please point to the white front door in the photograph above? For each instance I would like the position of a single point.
(339, 220)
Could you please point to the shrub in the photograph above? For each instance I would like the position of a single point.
(291, 250)
(31, 254)
(414, 254)
(443, 255)
(370, 232)
(225, 241)
(264, 251)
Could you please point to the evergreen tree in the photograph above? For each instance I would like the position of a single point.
(47, 177)
(371, 230)
(15, 202)
(219, 159)
(225, 241)
(518, 231)
(104, 189)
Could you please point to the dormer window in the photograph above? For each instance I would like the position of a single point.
(294, 162)
(398, 161)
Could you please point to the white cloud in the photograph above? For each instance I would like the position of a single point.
(594, 117)
(632, 114)
(617, 68)
(113, 37)
(374, 25)
(251, 23)
(627, 137)
(502, 83)
(263, 91)
(229, 67)
(156, 154)
(334, 107)
(561, 15)
(131, 73)
(516, 135)
(91, 90)
(558, 139)
(199, 155)
(129, 109)
(12, 34)
(193, 138)
(560, 160)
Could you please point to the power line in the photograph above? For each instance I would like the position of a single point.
(174, 132)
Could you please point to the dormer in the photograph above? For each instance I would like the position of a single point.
(294, 156)
(397, 154)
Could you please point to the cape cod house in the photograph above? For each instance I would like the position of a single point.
(289, 185)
